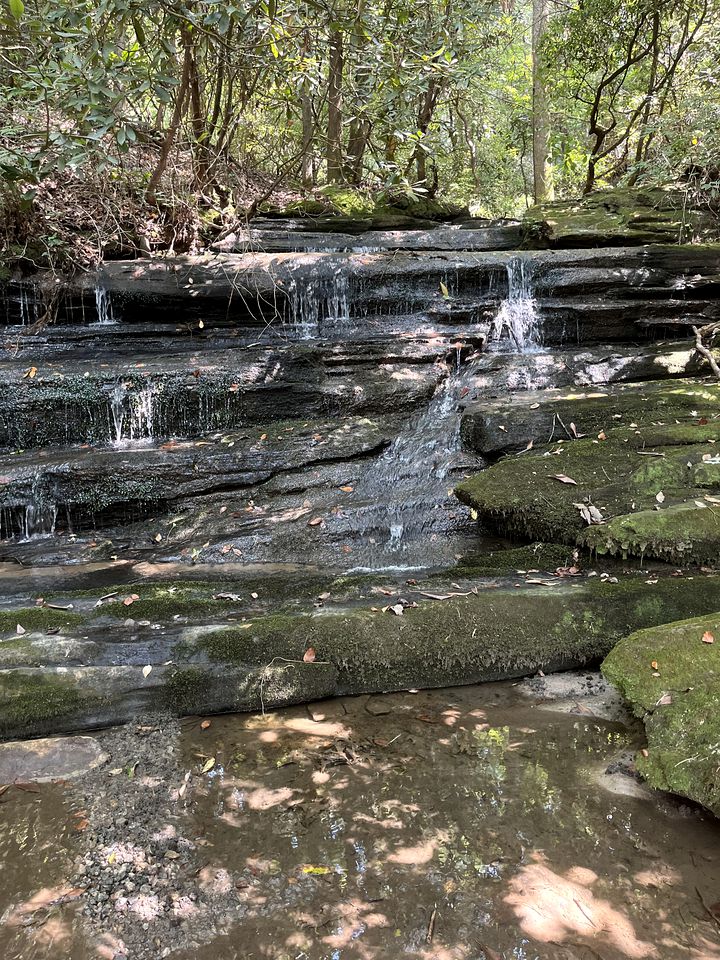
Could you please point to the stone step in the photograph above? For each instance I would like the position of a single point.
(231, 656)
(314, 291)
(57, 398)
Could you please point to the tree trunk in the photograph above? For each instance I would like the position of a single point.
(425, 114)
(180, 100)
(334, 121)
(542, 173)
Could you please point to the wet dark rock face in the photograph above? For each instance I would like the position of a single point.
(282, 421)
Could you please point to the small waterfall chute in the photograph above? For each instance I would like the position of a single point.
(518, 323)
(103, 306)
(316, 302)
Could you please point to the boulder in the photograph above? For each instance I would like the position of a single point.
(670, 674)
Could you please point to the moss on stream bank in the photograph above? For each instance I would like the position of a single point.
(671, 677)
(485, 636)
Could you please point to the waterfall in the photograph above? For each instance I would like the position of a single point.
(103, 306)
(28, 306)
(319, 301)
(518, 322)
(118, 395)
(410, 481)
(132, 415)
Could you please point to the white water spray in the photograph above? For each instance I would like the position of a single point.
(517, 323)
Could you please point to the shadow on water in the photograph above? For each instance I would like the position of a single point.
(451, 825)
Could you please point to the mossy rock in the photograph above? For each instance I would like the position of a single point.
(682, 532)
(649, 481)
(491, 635)
(32, 702)
(619, 216)
(678, 701)
(493, 428)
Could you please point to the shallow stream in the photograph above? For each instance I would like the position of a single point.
(463, 823)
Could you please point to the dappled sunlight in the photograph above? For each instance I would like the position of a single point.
(419, 854)
(315, 728)
(552, 908)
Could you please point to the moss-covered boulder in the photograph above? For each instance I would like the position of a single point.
(622, 216)
(671, 676)
(633, 474)
(494, 428)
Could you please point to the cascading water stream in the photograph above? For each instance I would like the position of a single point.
(517, 326)
(409, 483)
(315, 302)
(132, 415)
(103, 306)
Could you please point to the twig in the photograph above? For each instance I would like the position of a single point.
(431, 925)
(709, 912)
(703, 350)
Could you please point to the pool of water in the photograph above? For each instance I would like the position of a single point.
(461, 824)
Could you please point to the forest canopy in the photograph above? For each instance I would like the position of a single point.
(492, 104)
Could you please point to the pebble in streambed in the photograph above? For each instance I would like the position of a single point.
(140, 869)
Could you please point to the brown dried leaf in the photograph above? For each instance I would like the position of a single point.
(309, 655)
(564, 479)
(707, 637)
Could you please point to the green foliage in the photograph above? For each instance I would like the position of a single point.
(432, 98)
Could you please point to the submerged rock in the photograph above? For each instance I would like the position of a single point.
(670, 674)
(57, 758)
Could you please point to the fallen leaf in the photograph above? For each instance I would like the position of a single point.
(397, 609)
(208, 765)
(563, 478)
(444, 596)
(602, 435)
(664, 700)
(314, 870)
(707, 637)
(660, 497)
(130, 600)
(20, 630)
(654, 664)
(147, 670)
(30, 374)
(347, 489)
(444, 290)
(309, 655)
(315, 522)
(205, 724)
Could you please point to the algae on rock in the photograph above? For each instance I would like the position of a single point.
(671, 677)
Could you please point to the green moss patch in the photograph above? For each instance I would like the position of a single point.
(30, 701)
(491, 635)
(37, 619)
(672, 680)
(644, 481)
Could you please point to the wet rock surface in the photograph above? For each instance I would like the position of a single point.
(57, 758)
